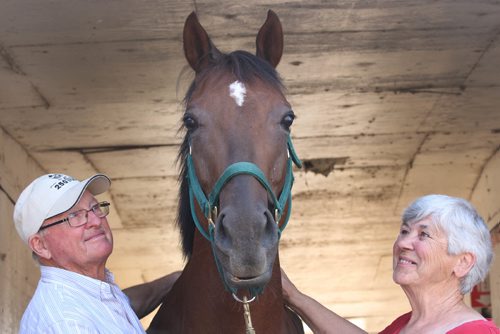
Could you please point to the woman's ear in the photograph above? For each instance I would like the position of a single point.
(465, 262)
(39, 246)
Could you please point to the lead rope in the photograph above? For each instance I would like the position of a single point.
(248, 318)
(246, 312)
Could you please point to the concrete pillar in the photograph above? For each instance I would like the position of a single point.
(486, 199)
(18, 272)
(495, 284)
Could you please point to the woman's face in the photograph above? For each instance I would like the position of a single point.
(420, 256)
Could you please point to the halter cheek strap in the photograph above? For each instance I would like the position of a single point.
(209, 205)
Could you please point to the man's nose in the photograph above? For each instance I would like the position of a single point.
(92, 219)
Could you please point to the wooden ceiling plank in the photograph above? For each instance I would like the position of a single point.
(84, 127)
(116, 72)
(73, 21)
(361, 150)
(343, 113)
(161, 161)
(146, 201)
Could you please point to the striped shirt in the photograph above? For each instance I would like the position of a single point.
(67, 302)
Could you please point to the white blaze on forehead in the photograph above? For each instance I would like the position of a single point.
(238, 91)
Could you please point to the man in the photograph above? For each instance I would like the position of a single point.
(66, 228)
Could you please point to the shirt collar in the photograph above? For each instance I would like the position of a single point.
(72, 280)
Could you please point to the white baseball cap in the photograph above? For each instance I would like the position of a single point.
(50, 195)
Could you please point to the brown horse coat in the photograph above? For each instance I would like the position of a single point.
(235, 111)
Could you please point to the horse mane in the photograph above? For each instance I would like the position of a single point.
(246, 67)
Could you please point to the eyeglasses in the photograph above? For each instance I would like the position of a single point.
(80, 217)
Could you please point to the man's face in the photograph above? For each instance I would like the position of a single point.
(82, 249)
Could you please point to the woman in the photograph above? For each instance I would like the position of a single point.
(443, 249)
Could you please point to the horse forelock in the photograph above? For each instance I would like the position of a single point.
(246, 67)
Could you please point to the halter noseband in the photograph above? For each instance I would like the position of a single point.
(209, 205)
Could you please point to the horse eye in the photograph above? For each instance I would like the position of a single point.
(287, 121)
(189, 122)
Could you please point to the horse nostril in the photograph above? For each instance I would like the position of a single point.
(270, 230)
(222, 234)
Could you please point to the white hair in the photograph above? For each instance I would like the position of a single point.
(464, 228)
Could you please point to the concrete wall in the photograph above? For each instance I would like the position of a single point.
(18, 272)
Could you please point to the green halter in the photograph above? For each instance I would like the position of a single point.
(209, 205)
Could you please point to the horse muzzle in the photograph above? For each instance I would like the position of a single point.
(246, 244)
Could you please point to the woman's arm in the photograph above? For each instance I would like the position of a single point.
(144, 298)
(316, 316)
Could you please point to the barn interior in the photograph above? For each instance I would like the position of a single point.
(394, 100)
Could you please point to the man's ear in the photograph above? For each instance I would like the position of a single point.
(465, 262)
(39, 246)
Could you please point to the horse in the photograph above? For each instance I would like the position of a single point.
(237, 149)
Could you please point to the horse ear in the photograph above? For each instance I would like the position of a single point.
(198, 48)
(270, 39)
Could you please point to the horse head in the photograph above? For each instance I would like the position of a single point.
(237, 153)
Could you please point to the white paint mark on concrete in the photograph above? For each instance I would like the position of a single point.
(238, 91)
